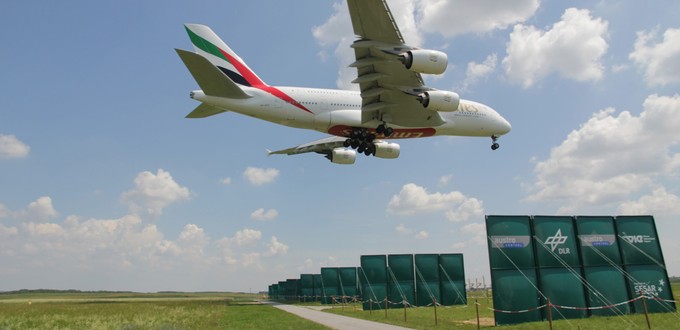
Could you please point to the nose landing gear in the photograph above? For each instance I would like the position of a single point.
(494, 144)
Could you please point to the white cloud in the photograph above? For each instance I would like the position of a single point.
(611, 156)
(470, 208)
(659, 60)
(247, 237)
(264, 215)
(445, 179)
(403, 230)
(422, 235)
(4, 211)
(453, 17)
(476, 233)
(573, 48)
(251, 260)
(11, 147)
(477, 72)
(153, 192)
(41, 209)
(660, 202)
(260, 176)
(336, 35)
(276, 248)
(226, 181)
(414, 199)
(193, 240)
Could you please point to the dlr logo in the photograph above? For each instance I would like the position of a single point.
(563, 251)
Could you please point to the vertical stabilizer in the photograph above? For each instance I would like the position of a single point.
(210, 46)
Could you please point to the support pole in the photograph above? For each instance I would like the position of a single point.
(550, 314)
(644, 307)
(385, 306)
(434, 303)
(477, 311)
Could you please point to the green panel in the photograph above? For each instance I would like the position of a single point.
(373, 279)
(330, 283)
(427, 279)
(597, 240)
(555, 241)
(652, 281)
(282, 291)
(639, 240)
(292, 289)
(318, 292)
(563, 288)
(452, 279)
(607, 287)
(401, 280)
(307, 287)
(348, 282)
(513, 291)
(510, 243)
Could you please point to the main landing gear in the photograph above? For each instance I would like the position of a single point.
(362, 140)
(382, 129)
(495, 144)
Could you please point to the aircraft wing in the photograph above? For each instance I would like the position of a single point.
(388, 89)
(320, 146)
(332, 147)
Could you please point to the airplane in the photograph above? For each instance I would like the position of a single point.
(392, 102)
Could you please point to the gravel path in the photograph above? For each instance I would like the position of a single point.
(335, 321)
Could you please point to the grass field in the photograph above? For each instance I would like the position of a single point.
(143, 311)
(240, 311)
(465, 318)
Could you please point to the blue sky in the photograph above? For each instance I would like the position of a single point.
(106, 186)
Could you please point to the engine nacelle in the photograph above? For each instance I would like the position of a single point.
(440, 100)
(426, 61)
(388, 150)
(342, 156)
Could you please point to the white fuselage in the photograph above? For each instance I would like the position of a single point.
(335, 112)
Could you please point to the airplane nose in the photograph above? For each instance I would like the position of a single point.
(505, 126)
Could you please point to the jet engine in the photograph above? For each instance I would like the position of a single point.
(425, 61)
(439, 100)
(342, 156)
(388, 150)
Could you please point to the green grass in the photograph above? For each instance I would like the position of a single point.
(465, 318)
(143, 311)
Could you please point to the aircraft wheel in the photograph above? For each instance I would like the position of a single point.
(370, 138)
(355, 143)
(370, 150)
(362, 147)
(495, 146)
(388, 131)
(347, 143)
(380, 129)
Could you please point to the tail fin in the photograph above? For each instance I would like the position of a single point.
(210, 46)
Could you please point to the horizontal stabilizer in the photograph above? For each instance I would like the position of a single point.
(211, 80)
(204, 110)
